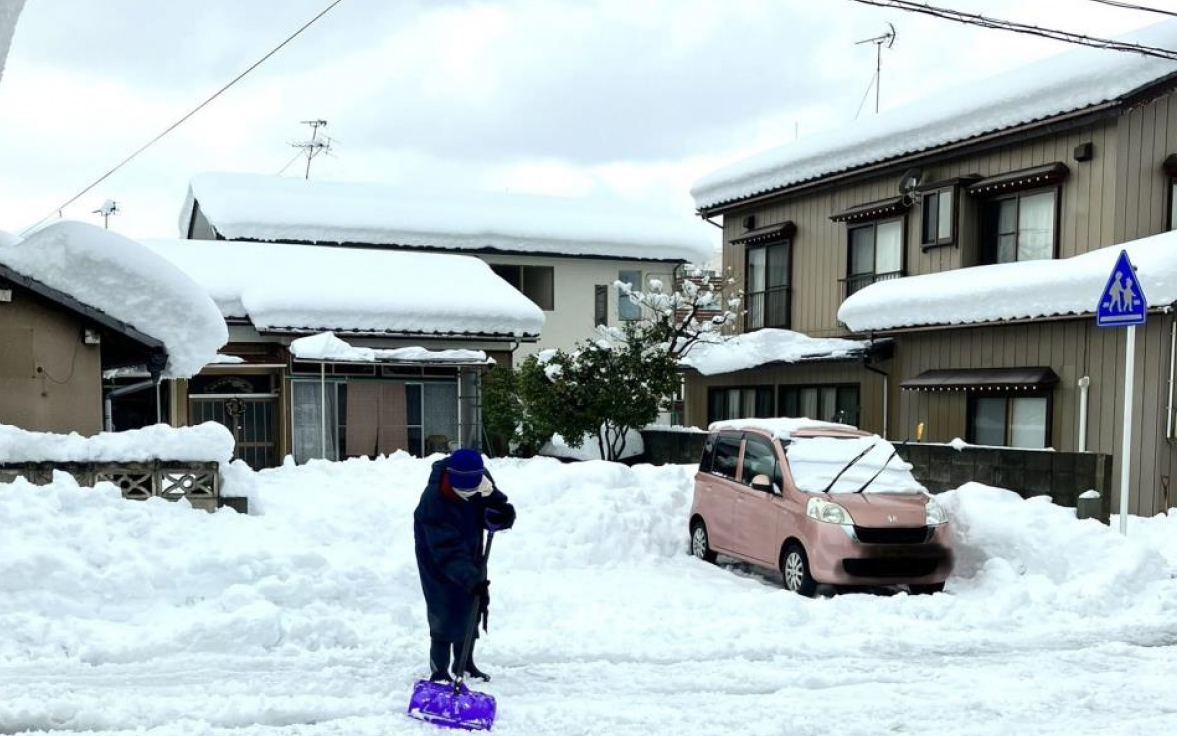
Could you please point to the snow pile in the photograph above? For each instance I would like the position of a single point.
(780, 427)
(1073, 80)
(127, 282)
(815, 461)
(271, 208)
(208, 442)
(327, 347)
(764, 347)
(1037, 550)
(9, 12)
(1007, 291)
(590, 449)
(320, 288)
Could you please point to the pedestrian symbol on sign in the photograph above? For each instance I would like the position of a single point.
(1122, 303)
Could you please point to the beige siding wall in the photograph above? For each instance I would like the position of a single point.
(1087, 212)
(1073, 349)
(1146, 135)
(49, 380)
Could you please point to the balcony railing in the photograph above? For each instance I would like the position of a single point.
(858, 282)
(768, 308)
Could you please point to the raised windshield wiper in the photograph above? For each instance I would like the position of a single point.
(876, 475)
(850, 464)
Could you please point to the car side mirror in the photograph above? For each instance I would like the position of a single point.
(761, 483)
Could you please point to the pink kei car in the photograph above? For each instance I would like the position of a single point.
(822, 503)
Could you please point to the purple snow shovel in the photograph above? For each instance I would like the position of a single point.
(455, 705)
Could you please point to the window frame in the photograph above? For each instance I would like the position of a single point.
(971, 413)
(521, 271)
(1170, 221)
(874, 275)
(739, 442)
(784, 388)
(600, 305)
(786, 288)
(722, 392)
(953, 191)
(989, 250)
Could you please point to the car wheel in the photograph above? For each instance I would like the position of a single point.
(795, 571)
(926, 589)
(700, 544)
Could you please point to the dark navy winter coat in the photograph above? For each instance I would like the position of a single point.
(448, 534)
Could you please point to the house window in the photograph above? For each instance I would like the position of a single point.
(767, 291)
(938, 222)
(627, 311)
(739, 403)
(1020, 227)
(876, 254)
(600, 305)
(1009, 421)
(537, 283)
(1172, 203)
(825, 403)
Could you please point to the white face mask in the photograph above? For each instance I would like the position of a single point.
(484, 489)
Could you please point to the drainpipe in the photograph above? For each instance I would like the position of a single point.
(886, 394)
(1172, 366)
(323, 407)
(1084, 385)
(108, 408)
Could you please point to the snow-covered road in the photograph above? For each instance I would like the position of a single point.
(121, 618)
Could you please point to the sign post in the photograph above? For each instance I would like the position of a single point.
(1123, 304)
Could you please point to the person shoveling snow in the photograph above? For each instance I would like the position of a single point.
(459, 502)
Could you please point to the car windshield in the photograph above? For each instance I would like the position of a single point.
(815, 461)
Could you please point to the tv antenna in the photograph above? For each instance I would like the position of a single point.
(315, 145)
(888, 40)
(108, 208)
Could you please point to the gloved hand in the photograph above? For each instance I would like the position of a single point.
(500, 517)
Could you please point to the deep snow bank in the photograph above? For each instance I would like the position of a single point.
(595, 569)
(208, 442)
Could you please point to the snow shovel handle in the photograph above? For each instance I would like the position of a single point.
(472, 627)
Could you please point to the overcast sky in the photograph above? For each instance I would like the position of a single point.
(633, 97)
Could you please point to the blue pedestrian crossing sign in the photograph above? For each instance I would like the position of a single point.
(1122, 303)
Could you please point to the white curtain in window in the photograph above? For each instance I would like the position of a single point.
(441, 416)
(1036, 227)
(889, 247)
(757, 270)
(307, 422)
(1027, 422)
(944, 221)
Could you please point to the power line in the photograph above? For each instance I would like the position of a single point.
(184, 119)
(289, 163)
(1131, 6)
(1016, 27)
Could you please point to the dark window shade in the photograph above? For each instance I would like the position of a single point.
(829, 403)
(537, 283)
(600, 305)
(739, 402)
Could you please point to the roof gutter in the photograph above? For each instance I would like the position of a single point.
(893, 331)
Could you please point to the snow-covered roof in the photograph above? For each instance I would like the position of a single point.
(128, 283)
(326, 347)
(1009, 291)
(9, 11)
(208, 442)
(780, 427)
(763, 347)
(1071, 81)
(308, 288)
(277, 209)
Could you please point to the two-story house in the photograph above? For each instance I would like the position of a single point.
(563, 253)
(961, 235)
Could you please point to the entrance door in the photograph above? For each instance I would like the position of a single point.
(249, 413)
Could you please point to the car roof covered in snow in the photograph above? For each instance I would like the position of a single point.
(297, 289)
(277, 209)
(1072, 81)
(121, 279)
(786, 428)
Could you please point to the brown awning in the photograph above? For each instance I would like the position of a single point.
(782, 231)
(983, 379)
(1038, 176)
(871, 210)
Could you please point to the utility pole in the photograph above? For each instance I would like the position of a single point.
(108, 208)
(888, 40)
(315, 145)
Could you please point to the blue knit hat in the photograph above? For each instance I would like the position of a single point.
(465, 469)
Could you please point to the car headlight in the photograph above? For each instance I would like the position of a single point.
(827, 511)
(934, 514)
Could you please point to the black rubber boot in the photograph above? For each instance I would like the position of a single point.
(471, 668)
(439, 661)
